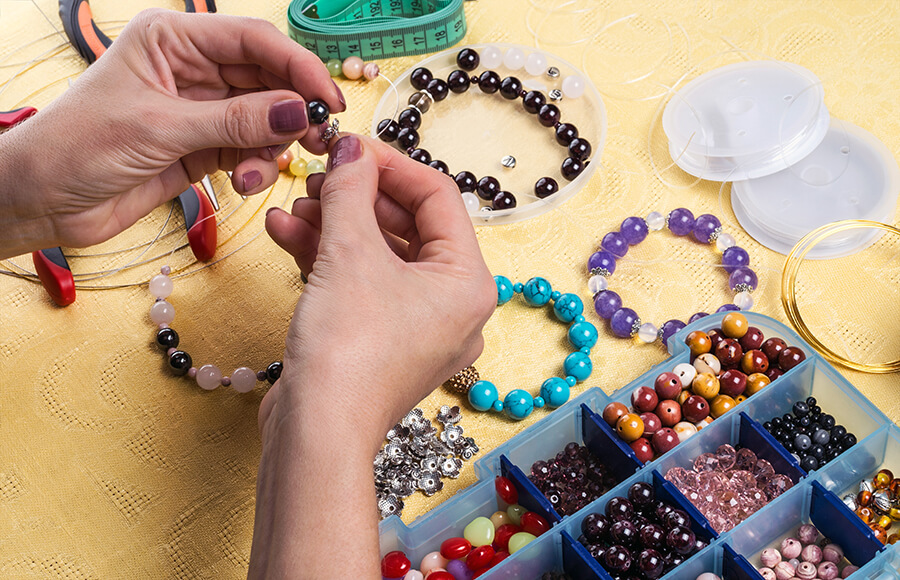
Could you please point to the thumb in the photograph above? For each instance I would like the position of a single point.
(249, 121)
(348, 192)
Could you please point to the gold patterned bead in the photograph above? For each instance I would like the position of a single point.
(883, 479)
(462, 381)
(885, 522)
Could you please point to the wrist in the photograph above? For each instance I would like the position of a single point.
(25, 223)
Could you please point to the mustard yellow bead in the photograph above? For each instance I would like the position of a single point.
(721, 405)
(706, 385)
(885, 522)
(735, 325)
(755, 383)
(298, 167)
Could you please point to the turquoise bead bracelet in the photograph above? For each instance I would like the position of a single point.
(577, 366)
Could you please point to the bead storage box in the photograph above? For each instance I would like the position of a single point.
(814, 497)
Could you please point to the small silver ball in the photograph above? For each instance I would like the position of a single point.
(508, 161)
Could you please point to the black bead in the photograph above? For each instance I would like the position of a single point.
(571, 168)
(811, 401)
(465, 181)
(549, 115)
(801, 409)
(318, 112)
(408, 138)
(565, 133)
(533, 101)
(167, 338)
(777, 421)
(273, 371)
(503, 200)
(804, 421)
(579, 149)
(180, 362)
(489, 82)
(458, 81)
(487, 187)
(420, 78)
(388, 129)
(818, 452)
(768, 426)
(421, 155)
(815, 409)
(827, 421)
(440, 166)
(838, 431)
(510, 88)
(438, 89)
(848, 441)
(468, 59)
(545, 187)
(410, 118)
(809, 463)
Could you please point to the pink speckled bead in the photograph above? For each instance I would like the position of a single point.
(352, 67)
(432, 561)
(832, 553)
(708, 576)
(828, 571)
(192, 372)
(806, 571)
(791, 548)
(812, 554)
(770, 557)
(845, 573)
(371, 71)
(807, 534)
(209, 377)
(784, 571)
(767, 574)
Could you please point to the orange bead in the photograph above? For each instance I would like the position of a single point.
(755, 383)
(284, 160)
(883, 479)
(866, 514)
(613, 412)
(735, 325)
(721, 405)
(630, 427)
(699, 342)
(740, 399)
(893, 538)
(706, 385)
(885, 522)
(864, 498)
(880, 534)
(894, 488)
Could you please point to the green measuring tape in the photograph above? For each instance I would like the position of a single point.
(375, 29)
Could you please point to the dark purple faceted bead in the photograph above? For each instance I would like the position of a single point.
(407, 138)
(727, 308)
(503, 200)
(744, 277)
(420, 78)
(653, 536)
(510, 87)
(650, 563)
(704, 226)
(623, 532)
(634, 229)
(458, 81)
(566, 133)
(533, 101)
(681, 221)
(388, 129)
(624, 322)
(580, 149)
(545, 187)
(572, 168)
(617, 559)
(489, 82)
(410, 118)
(440, 166)
(619, 508)
(465, 181)
(670, 327)
(487, 187)
(697, 316)
(642, 495)
(615, 243)
(607, 303)
(421, 155)
(438, 89)
(735, 257)
(602, 260)
(468, 59)
(548, 115)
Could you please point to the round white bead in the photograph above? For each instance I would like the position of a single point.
(708, 363)
(471, 201)
(514, 59)
(491, 57)
(573, 86)
(684, 430)
(648, 332)
(535, 64)
(655, 221)
(209, 377)
(597, 284)
(743, 300)
(243, 379)
(160, 286)
(725, 241)
(162, 312)
(686, 372)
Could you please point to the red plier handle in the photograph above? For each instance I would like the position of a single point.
(56, 276)
(9, 119)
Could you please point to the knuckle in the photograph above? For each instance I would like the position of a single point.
(238, 125)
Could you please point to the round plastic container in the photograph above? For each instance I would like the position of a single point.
(474, 131)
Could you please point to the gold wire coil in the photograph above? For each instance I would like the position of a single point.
(789, 298)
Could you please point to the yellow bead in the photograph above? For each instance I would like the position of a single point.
(479, 532)
(315, 166)
(895, 513)
(706, 385)
(721, 405)
(735, 325)
(515, 512)
(298, 167)
(755, 383)
(885, 522)
(499, 518)
(519, 541)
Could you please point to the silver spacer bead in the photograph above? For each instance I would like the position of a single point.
(508, 161)
(600, 272)
(742, 288)
(715, 234)
(553, 72)
(330, 132)
(555, 95)
(636, 326)
(487, 209)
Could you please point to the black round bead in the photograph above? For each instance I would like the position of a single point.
(410, 118)
(804, 421)
(421, 155)
(407, 138)
(468, 59)
(565, 133)
(777, 421)
(800, 409)
(533, 101)
(388, 129)
(438, 89)
(827, 421)
(571, 168)
(167, 338)
(440, 166)
(548, 115)
(838, 431)
(487, 187)
(818, 452)
(848, 441)
(318, 112)
(510, 88)
(420, 78)
(503, 200)
(458, 81)
(768, 426)
(811, 401)
(273, 371)
(465, 181)
(489, 82)
(579, 148)
(809, 463)
(180, 362)
(545, 187)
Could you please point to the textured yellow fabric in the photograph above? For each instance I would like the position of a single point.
(111, 468)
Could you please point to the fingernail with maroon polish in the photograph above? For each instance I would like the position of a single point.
(346, 150)
(288, 116)
(340, 95)
(251, 180)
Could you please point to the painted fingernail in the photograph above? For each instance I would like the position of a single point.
(288, 116)
(340, 95)
(346, 150)
(275, 150)
(251, 180)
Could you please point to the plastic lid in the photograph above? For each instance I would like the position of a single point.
(850, 175)
(746, 120)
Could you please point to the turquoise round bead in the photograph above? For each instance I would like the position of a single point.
(518, 287)
(580, 317)
(555, 295)
(537, 291)
(567, 307)
(555, 392)
(583, 334)
(483, 395)
(571, 380)
(578, 365)
(498, 405)
(538, 402)
(518, 404)
(504, 289)
(586, 351)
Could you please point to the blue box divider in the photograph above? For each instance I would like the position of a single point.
(530, 497)
(606, 446)
(577, 561)
(835, 520)
(754, 436)
(736, 567)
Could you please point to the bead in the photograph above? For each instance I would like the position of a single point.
(503, 200)
(735, 325)
(506, 490)
(273, 372)
(567, 307)
(705, 227)
(471, 202)
(165, 270)
(597, 284)
(160, 286)
(548, 115)
(720, 405)
(537, 291)
(421, 100)
(655, 221)
(515, 512)
(633, 229)
(438, 89)
(455, 548)
(686, 372)
(648, 333)
(514, 59)
(555, 95)
(410, 118)
(479, 532)
(706, 385)
(755, 383)
(440, 166)
(684, 430)
(519, 541)
(371, 71)
(334, 67)
(735, 257)
(743, 300)
(669, 413)
(602, 262)
(458, 82)
(489, 82)
(318, 112)
(491, 57)
(510, 88)
(535, 64)
(534, 524)
(465, 181)
(644, 399)
(408, 138)
(499, 518)
(545, 187)
(243, 379)
(613, 411)
(790, 357)
(732, 383)
(742, 279)
(667, 386)
(518, 404)
(699, 342)
(209, 377)
(505, 290)
(725, 241)
(467, 59)
(754, 361)
(420, 155)
(573, 86)
(571, 168)
(533, 101)
(180, 362)
(167, 338)
(480, 557)
(582, 334)
(284, 160)
(395, 564)
(664, 440)
(681, 221)
(566, 133)
(420, 77)
(352, 67)
(162, 312)
(483, 395)
(315, 166)
(488, 187)
(388, 129)
(624, 322)
(629, 427)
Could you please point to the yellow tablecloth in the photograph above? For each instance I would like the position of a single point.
(111, 468)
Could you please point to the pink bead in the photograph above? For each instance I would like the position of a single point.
(163, 325)
(767, 573)
(828, 571)
(845, 573)
(432, 561)
(161, 312)
(770, 557)
(209, 377)
(806, 571)
(160, 286)
(170, 351)
(352, 67)
(832, 553)
(708, 576)
(413, 575)
(791, 548)
(225, 382)
(371, 71)
(807, 534)
(192, 372)
(165, 270)
(243, 380)
(812, 554)
(784, 571)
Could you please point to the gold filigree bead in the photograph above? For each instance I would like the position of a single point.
(462, 381)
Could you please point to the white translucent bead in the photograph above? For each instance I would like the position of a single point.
(686, 372)
(655, 221)
(243, 379)
(209, 377)
(514, 59)
(648, 333)
(471, 201)
(725, 241)
(535, 64)
(413, 575)
(491, 57)
(162, 312)
(573, 86)
(160, 286)
(743, 300)
(597, 284)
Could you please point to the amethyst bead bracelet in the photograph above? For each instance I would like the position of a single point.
(706, 229)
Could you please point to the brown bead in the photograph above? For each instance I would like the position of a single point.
(630, 427)
(705, 385)
(669, 413)
(755, 383)
(773, 347)
(880, 534)
(735, 325)
(721, 405)
(612, 412)
(790, 357)
(754, 361)
(699, 343)
(863, 498)
(866, 514)
(753, 339)
(462, 381)
(893, 538)
(894, 488)
(716, 336)
(729, 352)
(883, 479)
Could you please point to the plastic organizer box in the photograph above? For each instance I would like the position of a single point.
(815, 497)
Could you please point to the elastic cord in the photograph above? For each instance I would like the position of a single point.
(789, 297)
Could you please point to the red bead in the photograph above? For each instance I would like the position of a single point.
(668, 386)
(441, 575)
(499, 557)
(642, 449)
(506, 490)
(652, 424)
(395, 565)
(665, 440)
(480, 557)
(644, 399)
(669, 413)
(534, 524)
(455, 548)
(695, 409)
(502, 536)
